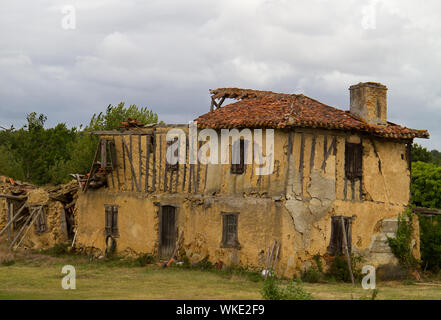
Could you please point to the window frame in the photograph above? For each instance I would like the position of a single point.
(336, 241)
(238, 168)
(353, 160)
(168, 166)
(111, 220)
(230, 239)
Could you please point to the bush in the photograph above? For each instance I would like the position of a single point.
(339, 271)
(57, 250)
(293, 291)
(311, 275)
(145, 259)
(315, 273)
(7, 262)
(430, 236)
(401, 244)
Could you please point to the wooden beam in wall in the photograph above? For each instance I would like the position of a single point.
(129, 156)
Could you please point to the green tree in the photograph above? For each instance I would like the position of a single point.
(419, 153)
(85, 146)
(426, 185)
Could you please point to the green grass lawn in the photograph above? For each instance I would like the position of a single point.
(40, 278)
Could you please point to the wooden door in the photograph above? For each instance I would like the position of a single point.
(167, 231)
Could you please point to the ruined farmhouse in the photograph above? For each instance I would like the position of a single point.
(333, 170)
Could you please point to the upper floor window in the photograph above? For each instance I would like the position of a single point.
(353, 160)
(238, 157)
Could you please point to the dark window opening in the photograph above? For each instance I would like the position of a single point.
(229, 230)
(169, 166)
(238, 158)
(111, 220)
(151, 143)
(168, 230)
(336, 245)
(378, 110)
(353, 161)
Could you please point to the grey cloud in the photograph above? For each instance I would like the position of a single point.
(167, 54)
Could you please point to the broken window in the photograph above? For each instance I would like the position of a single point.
(353, 160)
(40, 221)
(229, 230)
(111, 220)
(336, 245)
(238, 158)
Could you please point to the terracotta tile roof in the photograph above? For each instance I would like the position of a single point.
(266, 109)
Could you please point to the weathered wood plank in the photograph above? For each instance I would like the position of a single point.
(129, 156)
(301, 158)
(147, 162)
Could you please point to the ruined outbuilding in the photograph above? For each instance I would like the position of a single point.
(36, 217)
(334, 170)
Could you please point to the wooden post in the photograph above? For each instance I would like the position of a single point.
(15, 217)
(29, 228)
(345, 247)
(103, 153)
(9, 220)
(24, 225)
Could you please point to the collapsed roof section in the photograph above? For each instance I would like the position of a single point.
(267, 109)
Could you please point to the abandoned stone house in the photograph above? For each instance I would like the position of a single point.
(332, 168)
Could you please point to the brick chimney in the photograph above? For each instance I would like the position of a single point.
(369, 102)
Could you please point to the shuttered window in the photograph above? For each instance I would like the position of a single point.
(353, 160)
(238, 159)
(336, 245)
(229, 230)
(111, 228)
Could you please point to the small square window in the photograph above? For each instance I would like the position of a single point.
(111, 220)
(229, 230)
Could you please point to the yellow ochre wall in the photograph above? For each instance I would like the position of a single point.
(293, 205)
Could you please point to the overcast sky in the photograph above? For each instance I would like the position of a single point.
(166, 55)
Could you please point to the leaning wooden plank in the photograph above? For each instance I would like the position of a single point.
(154, 163)
(7, 196)
(140, 159)
(129, 156)
(9, 219)
(114, 161)
(24, 225)
(92, 168)
(27, 230)
(345, 247)
(13, 219)
(147, 162)
(103, 153)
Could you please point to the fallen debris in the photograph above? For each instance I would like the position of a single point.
(49, 211)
